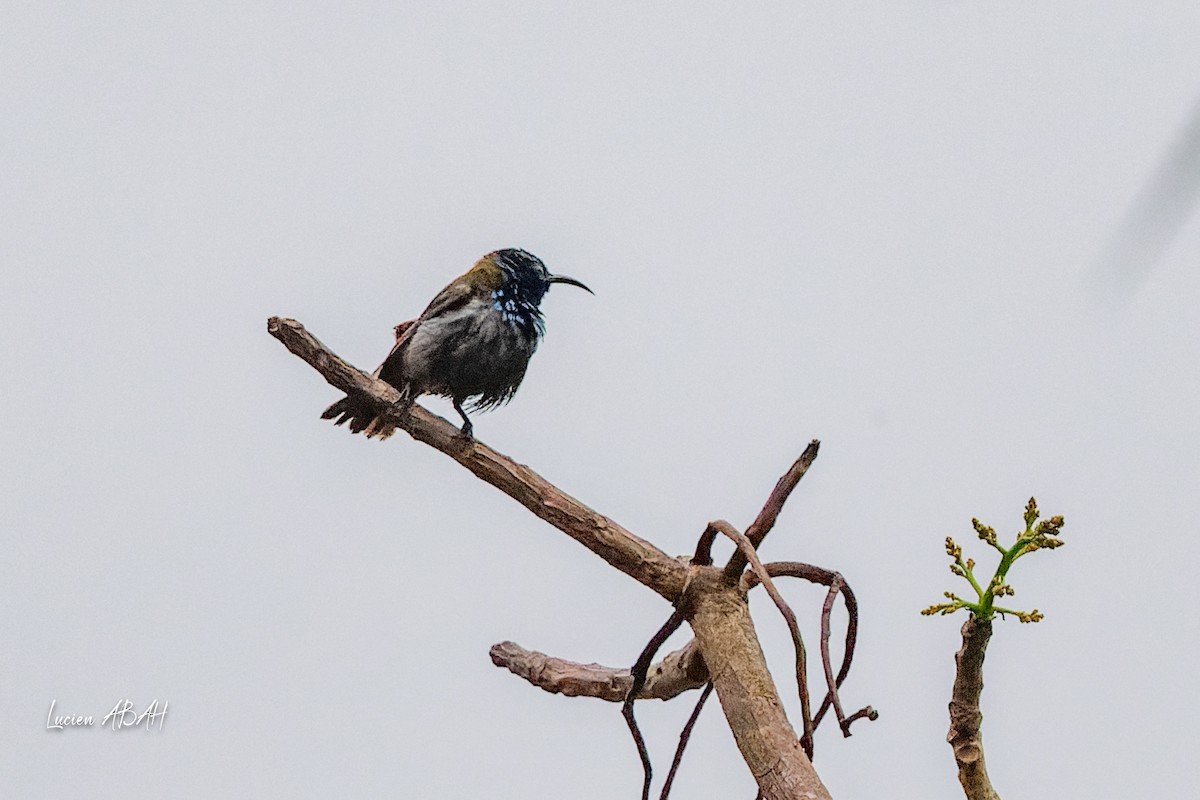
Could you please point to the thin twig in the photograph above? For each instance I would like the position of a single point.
(643, 753)
(830, 680)
(640, 668)
(863, 713)
(745, 547)
(838, 586)
(765, 520)
(684, 736)
(825, 577)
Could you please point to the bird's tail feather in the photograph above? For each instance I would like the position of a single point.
(363, 416)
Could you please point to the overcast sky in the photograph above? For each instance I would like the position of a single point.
(915, 231)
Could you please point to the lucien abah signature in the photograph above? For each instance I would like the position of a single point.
(123, 715)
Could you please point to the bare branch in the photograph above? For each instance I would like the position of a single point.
(684, 736)
(746, 548)
(862, 713)
(716, 606)
(765, 520)
(634, 556)
(965, 718)
(826, 663)
(730, 647)
(638, 673)
(703, 556)
(825, 577)
(681, 671)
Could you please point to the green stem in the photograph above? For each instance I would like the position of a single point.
(987, 599)
(970, 576)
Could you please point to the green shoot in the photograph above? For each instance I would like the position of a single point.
(1037, 536)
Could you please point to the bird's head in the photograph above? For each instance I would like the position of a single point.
(526, 276)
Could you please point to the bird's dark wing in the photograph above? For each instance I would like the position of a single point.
(390, 369)
(453, 297)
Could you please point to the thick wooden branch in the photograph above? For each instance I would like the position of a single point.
(965, 717)
(729, 645)
(681, 671)
(761, 573)
(634, 556)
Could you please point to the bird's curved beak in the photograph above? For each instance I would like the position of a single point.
(571, 281)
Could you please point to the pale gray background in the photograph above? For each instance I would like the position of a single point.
(902, 228)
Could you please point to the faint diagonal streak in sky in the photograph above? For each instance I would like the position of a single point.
(1154, 218)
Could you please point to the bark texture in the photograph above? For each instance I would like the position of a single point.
(738, 669)
(681, 671)
(965, 717)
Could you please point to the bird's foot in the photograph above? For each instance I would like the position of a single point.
(468, 429)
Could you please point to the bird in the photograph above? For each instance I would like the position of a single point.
(472, 343)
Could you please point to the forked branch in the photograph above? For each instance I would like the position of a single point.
(747, 550)
(715, 605)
